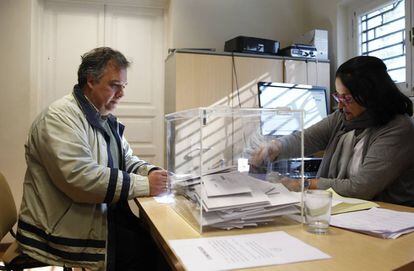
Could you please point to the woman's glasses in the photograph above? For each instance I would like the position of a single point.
(343, 98)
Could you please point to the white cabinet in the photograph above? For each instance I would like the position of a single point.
(307, 72)
(197, 79)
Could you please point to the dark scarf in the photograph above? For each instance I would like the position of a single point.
(359, 124)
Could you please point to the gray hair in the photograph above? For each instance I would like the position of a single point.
(94, 63)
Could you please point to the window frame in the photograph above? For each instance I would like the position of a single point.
(361, 7)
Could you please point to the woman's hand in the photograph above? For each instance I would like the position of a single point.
(296, 186)
(268, 152)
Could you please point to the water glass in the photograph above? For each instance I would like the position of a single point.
(317, 210)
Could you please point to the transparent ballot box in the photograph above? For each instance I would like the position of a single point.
(235, 167)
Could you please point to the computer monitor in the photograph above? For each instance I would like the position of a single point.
(311, 99)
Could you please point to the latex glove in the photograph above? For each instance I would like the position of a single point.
(268, 152)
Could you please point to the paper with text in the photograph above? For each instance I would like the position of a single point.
(378, 222)
(243, 251)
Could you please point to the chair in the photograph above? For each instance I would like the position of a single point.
(13, 258)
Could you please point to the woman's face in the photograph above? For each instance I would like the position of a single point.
(346, 103)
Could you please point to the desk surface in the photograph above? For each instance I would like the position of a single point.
(349, 250)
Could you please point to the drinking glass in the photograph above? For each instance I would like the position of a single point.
(317, 210)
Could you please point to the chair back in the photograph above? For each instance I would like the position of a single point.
(8, 213)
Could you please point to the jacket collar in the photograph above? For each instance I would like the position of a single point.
(92, 115)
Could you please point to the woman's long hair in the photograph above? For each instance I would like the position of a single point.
(367, 79)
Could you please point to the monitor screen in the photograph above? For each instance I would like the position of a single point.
(311, 99)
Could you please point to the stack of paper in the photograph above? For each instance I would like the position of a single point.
(377, 222)
(343, 204)
(235, 200)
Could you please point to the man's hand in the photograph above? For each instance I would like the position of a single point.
(157, 182)
(268, 152)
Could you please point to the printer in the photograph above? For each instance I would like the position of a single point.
(317, 38)
(242, 44)
(299, 50)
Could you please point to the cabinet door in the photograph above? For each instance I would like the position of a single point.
(307, 72)
(318, 74)
(201, 80)
(206, 80)
(247, 72)
(295, 72)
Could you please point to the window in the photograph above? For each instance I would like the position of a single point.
(382, 28)
(382, 34)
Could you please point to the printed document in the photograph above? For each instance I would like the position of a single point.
(378, 222)
(243, 251)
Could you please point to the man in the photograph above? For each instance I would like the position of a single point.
(81, 172)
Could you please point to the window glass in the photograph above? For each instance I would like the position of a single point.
(382, 34)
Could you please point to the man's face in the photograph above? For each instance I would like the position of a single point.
(106, 93)
(346, 103)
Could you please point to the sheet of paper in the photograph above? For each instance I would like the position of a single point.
(256, 197)
(165, 198)
(243, 251)
(224, 184)
(277, 193)
(376, 221)
(344, 204)
(192, 179)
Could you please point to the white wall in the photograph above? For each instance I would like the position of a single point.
(322, 14)
(208, 24)
(15, 90)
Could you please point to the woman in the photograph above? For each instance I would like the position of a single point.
(368, 141)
